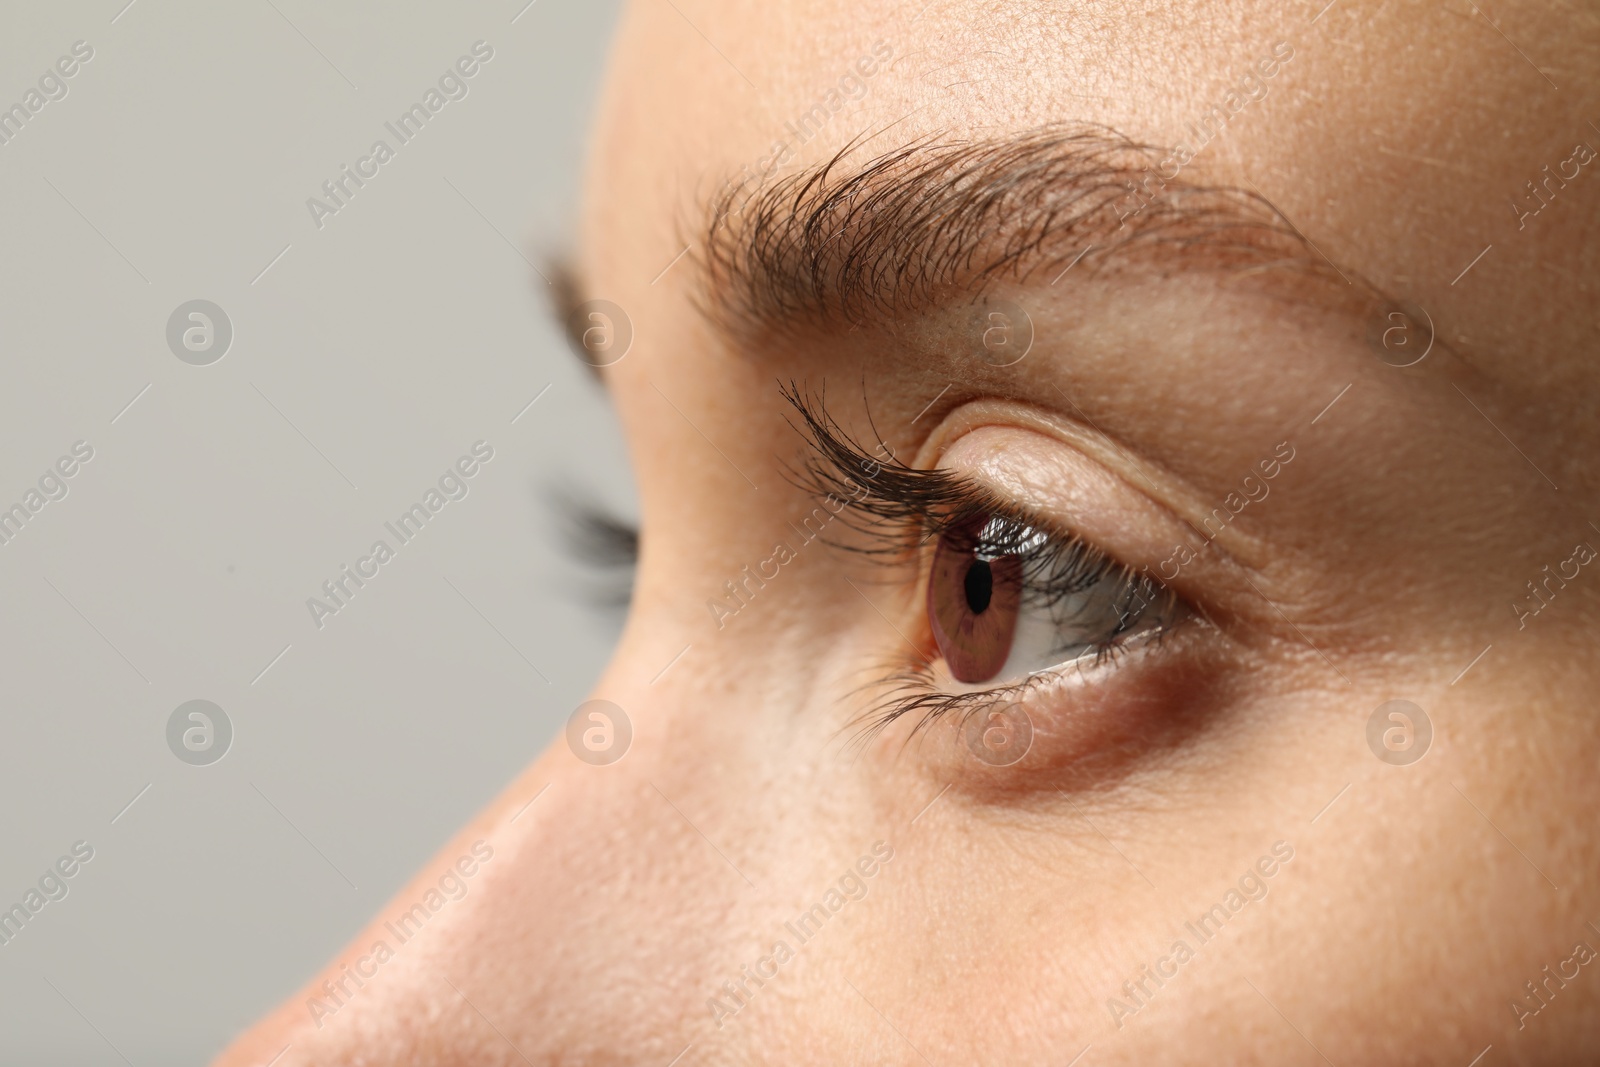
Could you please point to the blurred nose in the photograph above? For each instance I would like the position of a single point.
(577, 919)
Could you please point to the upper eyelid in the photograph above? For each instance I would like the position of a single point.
(938, 499)
(944, 500)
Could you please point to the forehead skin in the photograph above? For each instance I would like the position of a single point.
(1395, 138)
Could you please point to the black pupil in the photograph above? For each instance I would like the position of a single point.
(979, 585)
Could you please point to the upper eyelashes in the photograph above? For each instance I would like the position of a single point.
(1009, 602)
(898, 508)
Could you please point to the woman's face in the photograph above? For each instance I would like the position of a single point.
(1087, 746)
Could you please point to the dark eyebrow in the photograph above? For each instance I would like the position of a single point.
(840, 243)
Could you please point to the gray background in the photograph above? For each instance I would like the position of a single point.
(372, 354)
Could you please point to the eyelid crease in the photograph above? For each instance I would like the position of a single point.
(1184, 507)
(935, 500)
(885, 494)
(1057, 561)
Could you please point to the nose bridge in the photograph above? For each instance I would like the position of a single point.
(740, 823)
(601, 897)
(640, 845)
(633, 873)
(598, 901)
(686, 795)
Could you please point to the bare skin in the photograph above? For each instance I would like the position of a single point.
(1022, 913)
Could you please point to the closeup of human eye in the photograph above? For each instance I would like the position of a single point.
(1008, 601)
(1013, 606)
(855, 533)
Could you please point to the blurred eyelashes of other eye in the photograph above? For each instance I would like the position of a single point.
(605, 545)
(1011, 604)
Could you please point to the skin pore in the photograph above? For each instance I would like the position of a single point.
(1233, 324)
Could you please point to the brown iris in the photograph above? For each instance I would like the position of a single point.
(972, 604)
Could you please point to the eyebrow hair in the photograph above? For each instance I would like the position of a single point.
(836, 244)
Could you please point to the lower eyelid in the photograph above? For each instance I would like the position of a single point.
(1091, 722)
(1089, 664)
